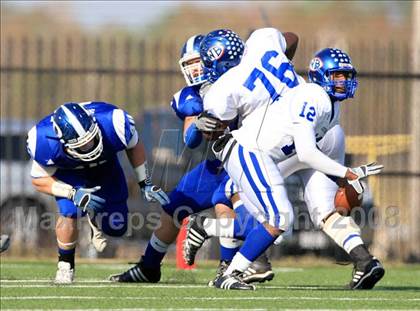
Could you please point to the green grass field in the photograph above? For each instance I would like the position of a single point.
(28, 285)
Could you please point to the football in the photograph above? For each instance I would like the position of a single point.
(346, 198)
(211, 136)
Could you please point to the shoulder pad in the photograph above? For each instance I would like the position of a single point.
(187, 102)
(41, 144)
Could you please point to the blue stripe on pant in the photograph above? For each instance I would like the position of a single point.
(251, 181)
(258, 192)
(267, 187)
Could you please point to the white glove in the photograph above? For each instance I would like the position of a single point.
(363, 172)
(153, 193)
(366, 170)
(98, 239)
(207, 123)
(357, 185)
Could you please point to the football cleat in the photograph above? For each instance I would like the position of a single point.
(139, 273)
(65, 274)
(259, 271)
(196, 235)
(366, 275)
(223, 265)
(232, 281)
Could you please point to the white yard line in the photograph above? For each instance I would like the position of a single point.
(150, 309)
(108, 284)
(280, 269)
(280, 298)
(198, 309)
(80, 265)
(43, 280)
(99, 283)
(125, 266)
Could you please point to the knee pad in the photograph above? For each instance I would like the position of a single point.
(230, 242)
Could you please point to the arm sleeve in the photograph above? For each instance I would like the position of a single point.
(290, 166)
(307, 152)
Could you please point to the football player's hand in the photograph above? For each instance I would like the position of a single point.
(367, 170)
(205, 122)
(357, 185)
(354, 175)
(153, 193)
(86, 200)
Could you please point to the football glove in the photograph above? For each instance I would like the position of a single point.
(357, 185)
(363, 172)
(205, 122)
(153, 193)
(367, 170)
(83, 198)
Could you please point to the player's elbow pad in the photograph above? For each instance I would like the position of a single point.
(193, 137)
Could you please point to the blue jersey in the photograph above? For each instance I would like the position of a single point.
(187, 102)
(50, 159)
(204, 185)
(117, 128)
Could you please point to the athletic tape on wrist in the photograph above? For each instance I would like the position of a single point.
(61, 189)
(141, 172)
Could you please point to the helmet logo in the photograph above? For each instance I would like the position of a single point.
(215, 52)
(315, 64)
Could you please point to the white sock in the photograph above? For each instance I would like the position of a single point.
(239, 262)
(222, 227)
(157, 244)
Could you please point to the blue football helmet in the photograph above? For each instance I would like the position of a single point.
(190, 61)
(78, 131)
(330, 60)
(220, 50)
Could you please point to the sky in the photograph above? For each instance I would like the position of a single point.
(92, 14)
(126, 13)
(96, 13)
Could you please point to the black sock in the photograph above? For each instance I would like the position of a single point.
(360, 254)
(67, 255)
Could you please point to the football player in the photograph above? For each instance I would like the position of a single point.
(203, 187)
(74, 158)
(368, 271)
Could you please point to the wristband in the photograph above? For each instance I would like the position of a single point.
(61, 189)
